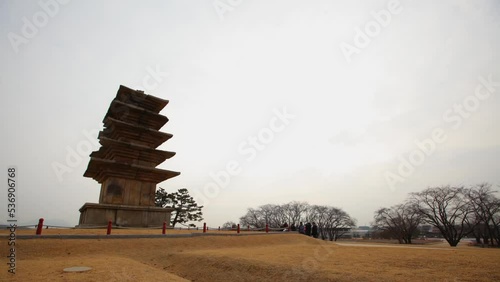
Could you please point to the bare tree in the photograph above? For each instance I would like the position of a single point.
(281, 212)
(338, 223)
(448, 209)
(400, 221)
(388, 222)
(268, 213)
(271, 214)
(332, 222)
(229, 225)
(253, 218)
(319, 215)
(486, 207)
(295, 211)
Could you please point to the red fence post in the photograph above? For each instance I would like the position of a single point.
(238, 229)
(164, 227)
(39, 227)
(109, 228)
(248, 227)
(204, 227)
(267, 228)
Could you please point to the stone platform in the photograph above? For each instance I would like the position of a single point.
(92, 214)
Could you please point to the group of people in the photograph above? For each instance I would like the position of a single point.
(309, 229)
(306, 229)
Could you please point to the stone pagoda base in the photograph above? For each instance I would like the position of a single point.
(92, 214)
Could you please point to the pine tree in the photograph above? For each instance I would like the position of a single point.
(185, 207)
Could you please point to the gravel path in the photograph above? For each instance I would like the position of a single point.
(392, 246)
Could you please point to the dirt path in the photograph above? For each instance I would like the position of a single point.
(392, 246)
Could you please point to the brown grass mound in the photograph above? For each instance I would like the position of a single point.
(246, 258)
(104, 268)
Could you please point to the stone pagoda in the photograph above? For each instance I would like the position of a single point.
(125, 165)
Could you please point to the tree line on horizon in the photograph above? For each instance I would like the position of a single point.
(456, 211)
(332, 222)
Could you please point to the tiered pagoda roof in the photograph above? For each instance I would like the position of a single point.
(130, 138)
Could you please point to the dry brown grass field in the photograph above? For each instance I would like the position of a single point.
(282, 257)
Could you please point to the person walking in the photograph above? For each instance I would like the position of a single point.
(301, 228)
(308, 229)
(314, 230)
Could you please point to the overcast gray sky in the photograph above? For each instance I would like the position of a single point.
(353, 104)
